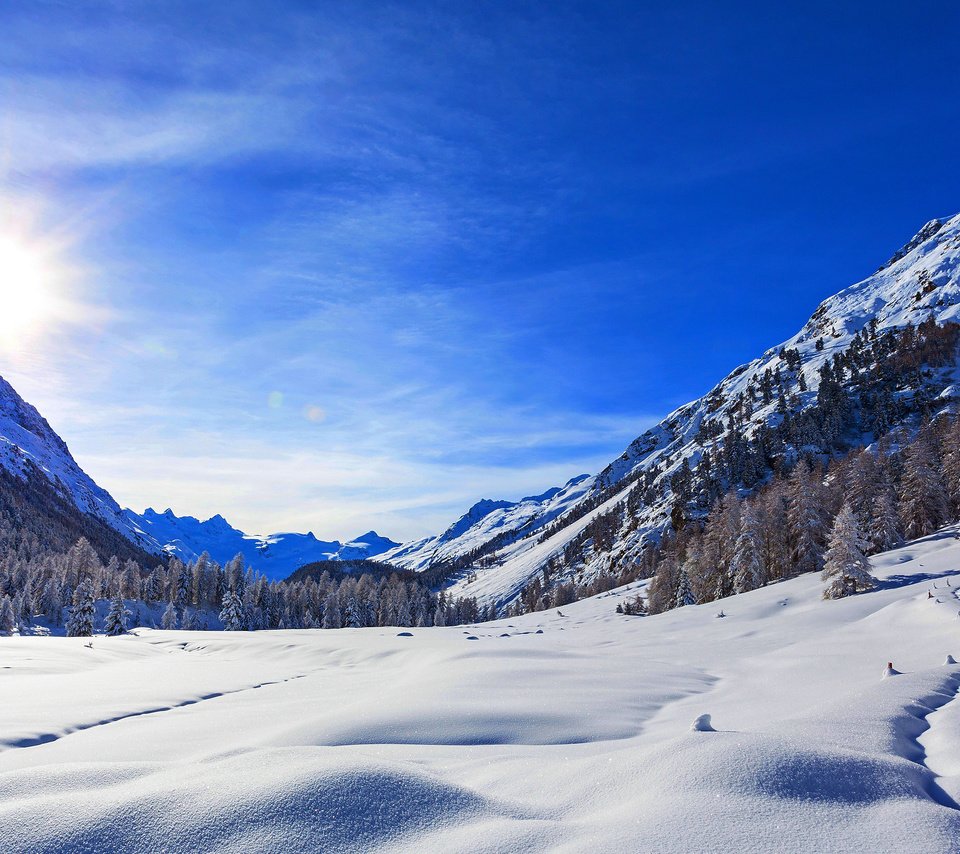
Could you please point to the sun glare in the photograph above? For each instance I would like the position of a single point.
(26, 290)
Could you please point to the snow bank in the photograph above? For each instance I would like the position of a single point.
(544, 733)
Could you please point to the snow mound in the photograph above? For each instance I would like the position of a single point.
(702, 724)
(279, 800)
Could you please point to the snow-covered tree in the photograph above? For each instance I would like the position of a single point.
(169, 619)
(719, 537)
(152, 588)
(846, 570)
(116, 622)
(684, 594)
(352, 617)
(883, 529)
(82, 562)
(923, 499)
(190, 622)
(633, 606)
(82, 614)
(8, 621)
(232, 614)
(746, 566)
(182, 592)
(234, 575)
(51, 605)
(331, 611)
(805, 515)
(662, 590)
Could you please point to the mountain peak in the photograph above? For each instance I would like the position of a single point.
(28, 445)
(929, 230)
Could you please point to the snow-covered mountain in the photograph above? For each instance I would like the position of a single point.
(488, 521)
(635, 492)
(275, 555)
(29, 446)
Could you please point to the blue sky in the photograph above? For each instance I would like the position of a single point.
(352, 265)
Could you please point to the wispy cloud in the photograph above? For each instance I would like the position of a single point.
(303, 240)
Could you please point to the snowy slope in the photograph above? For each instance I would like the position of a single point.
(921, 280)
(488, 519)
(547, 732)
(275, 555)
(27, 440)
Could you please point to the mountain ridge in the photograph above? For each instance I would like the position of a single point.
(920, 281)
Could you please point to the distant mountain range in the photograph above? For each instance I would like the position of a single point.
(32, 454)
(275, 555)
(596, 523)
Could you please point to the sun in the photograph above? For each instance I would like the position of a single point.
(27, 295)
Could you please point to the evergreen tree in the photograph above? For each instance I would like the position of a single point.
(805, 517)
(634, 607)
(684, 595)
(719, 537)
(182, 594)
(846, 570)
(8, 621)
(746, 566)
(190, 622)
(331, 611)
(232, 614)
(860, 486)
(116, 622)
(774, 533)
(82, 615)
(352, 615)
(130, 586)
(923, 500)
(883, 529)
(152, 588)
(169, 619)
(51, 605)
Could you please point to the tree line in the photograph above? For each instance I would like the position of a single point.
(62, 589)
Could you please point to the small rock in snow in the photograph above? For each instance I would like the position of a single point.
(950, 659)
(889, 670)
(404, 634)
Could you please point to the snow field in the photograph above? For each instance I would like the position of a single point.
(545, 733)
